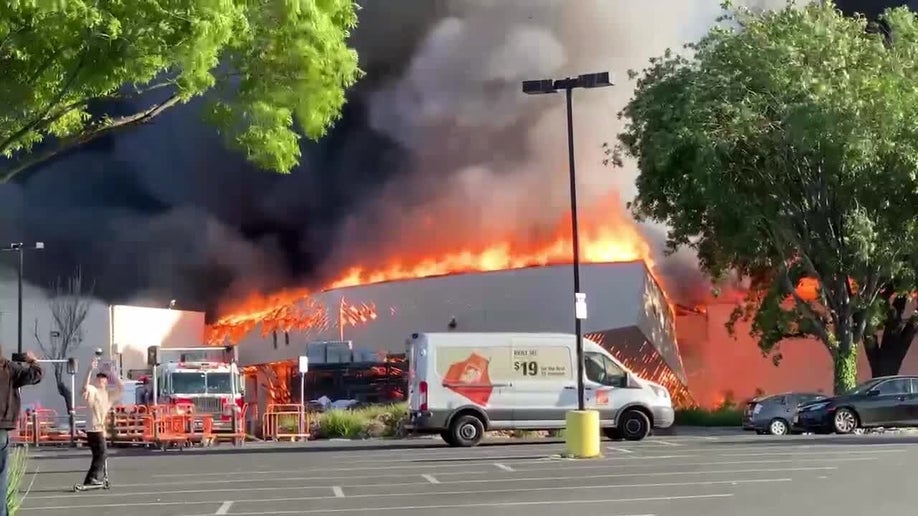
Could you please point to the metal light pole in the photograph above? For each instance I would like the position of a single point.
(546, 86)
(20, 248)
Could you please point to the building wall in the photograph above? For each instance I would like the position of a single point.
(526, 300)
(717, 363)
(96, 334)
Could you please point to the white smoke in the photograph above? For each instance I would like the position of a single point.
(491, 160)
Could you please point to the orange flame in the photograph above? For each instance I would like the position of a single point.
(606, 236)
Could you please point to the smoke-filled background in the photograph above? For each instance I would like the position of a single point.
(438, 150)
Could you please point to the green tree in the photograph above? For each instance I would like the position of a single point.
(783, 146)
(276, 70)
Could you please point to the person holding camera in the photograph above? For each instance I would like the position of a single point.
(99, 400)
(13, 375)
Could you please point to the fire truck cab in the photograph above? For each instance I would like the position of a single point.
(206, 381)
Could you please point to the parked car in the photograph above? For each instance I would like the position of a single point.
(774, 414)
(890, 401)
(464, 384)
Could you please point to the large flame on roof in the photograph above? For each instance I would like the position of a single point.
(607, 235)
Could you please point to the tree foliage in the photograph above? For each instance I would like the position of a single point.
(784, 146)
(278, 69)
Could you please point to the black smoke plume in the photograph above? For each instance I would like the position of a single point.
(437, 128)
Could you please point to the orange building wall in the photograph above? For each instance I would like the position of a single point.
(717, 363)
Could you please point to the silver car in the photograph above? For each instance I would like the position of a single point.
(773, 414)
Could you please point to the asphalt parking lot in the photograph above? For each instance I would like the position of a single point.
(666, 476)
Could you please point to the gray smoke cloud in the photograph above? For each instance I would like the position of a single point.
(438, 149)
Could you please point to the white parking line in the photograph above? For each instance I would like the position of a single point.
(339, 493)
(504, 467)
(797, 454)
(457, 492)
(415, 465)
(224, 508)
(572, 466)
(496, 504)
(430, 479)
(622, 450)
(666, 443)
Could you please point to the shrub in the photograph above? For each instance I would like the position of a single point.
(722, 416)
(346, 424)
(368, 421)
(18, 462)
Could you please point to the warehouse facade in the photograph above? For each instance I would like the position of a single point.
(628, 314)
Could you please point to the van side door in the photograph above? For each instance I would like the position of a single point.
(541, 372)
(606, 386)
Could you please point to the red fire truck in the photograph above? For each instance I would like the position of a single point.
(206, 379)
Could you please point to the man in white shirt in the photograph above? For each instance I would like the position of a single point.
(99, 400)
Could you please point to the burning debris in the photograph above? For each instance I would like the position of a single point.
(605, 238)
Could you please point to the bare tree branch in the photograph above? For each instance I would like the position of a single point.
(69, 305)
(91, 134)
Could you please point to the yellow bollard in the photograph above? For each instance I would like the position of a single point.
(582, 434)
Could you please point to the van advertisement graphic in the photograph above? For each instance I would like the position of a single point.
(471, 372)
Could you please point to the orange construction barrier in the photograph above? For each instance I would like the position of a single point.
(284, 421)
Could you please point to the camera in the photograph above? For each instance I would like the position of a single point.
(19, 357)
(99, 352)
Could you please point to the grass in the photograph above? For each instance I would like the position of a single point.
(361, 423)
(18, 463)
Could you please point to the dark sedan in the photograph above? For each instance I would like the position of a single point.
(890, 401)
(774, 414)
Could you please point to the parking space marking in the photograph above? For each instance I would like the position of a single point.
(572, 466)
(495, 504)
(224, 508)
(441, 493)
(431, 479)
(283, 476)
(665, 443)
(822, 454)
(504, 467)
(339, 493)
(622, 450)
(461, 463)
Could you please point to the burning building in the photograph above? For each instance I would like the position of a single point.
(628, 314)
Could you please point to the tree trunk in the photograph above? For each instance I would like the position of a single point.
(63, 385)
(886, 358)
(845, 369)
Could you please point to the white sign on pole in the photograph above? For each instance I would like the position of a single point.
(304, 364)
(580, 305)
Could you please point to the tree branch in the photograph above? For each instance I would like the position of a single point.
(43, 119)
(102, 129)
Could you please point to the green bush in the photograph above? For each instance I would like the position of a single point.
(18, 462)
(722, 416)
(360, 423)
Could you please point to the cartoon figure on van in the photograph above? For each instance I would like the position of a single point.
(462, 385)
(470, 378)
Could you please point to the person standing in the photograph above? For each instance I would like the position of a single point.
(99, 400)
(13, 376)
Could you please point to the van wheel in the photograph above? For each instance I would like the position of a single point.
(634, 425)
(466, 431)
(447, 437)
(613, 434)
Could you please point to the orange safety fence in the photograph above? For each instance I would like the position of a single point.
(285, 421)
(223, 431)
(156, 425)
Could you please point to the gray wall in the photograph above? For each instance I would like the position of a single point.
(538, 299)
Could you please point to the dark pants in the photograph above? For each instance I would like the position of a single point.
(97, 471)
(4, 467)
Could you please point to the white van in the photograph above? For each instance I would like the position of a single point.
(464, 384)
